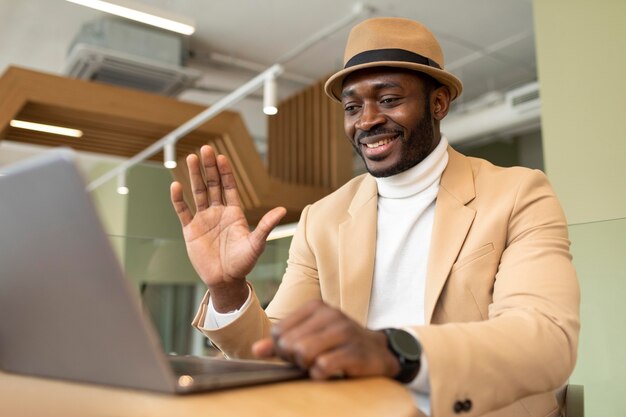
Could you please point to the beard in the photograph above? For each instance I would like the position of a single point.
(415, 147)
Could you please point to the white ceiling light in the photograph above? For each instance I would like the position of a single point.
(270, 105)
(169, 156)
(134, 11)
(121, 183)
(39, 127)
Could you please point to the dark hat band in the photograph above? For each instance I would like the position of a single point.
(380, 55)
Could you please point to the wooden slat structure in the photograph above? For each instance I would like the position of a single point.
(306, 141)
(123, 122)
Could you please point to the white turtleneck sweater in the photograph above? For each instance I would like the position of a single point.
(406, 212)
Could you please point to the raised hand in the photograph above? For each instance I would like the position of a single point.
(219, 242)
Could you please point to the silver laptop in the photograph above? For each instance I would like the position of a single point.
(66, 309)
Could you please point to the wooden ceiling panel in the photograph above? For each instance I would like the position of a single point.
(121, 122)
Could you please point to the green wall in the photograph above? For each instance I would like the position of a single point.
(581, 54)
(155, 250)
(111, 207)
(599, 250)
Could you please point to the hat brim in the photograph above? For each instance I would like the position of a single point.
(334, 85)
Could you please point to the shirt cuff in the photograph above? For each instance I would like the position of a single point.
(215, 320)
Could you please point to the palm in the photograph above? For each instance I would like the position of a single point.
(219, 243)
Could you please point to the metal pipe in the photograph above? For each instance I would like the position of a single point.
(193, 123)
(357, 10)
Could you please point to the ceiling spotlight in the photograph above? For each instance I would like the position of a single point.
(121, 183)
(149, 16)
(40, 127)
(169, 156)
(270, 106)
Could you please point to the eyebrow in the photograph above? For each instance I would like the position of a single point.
(377, 87)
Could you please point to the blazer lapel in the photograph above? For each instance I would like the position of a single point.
(357, 251)
(452, 223)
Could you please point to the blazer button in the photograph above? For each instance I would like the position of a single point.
(467, 405)
(463, 406)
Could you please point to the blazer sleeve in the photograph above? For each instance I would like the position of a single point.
(235, 339)
(528, 343)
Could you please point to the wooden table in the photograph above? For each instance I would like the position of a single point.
(30, 396)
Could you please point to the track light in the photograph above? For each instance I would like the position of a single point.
(169, 156)
(269, 96)
(121, 183)
(147, 16)
(40, 127)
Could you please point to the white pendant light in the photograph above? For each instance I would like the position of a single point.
(169, 156)
(121, 183)
(270, 101)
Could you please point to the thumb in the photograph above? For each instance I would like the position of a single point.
(268, 222)
(263, 349)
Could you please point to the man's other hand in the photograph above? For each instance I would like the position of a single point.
(328, 344)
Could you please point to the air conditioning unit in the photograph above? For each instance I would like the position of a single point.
(518, 111)
(127, 54)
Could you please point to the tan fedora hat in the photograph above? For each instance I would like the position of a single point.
(392, 42)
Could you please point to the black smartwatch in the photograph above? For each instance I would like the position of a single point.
(408, 351)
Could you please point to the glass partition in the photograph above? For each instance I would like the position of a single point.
(599, 250)
(171, 291)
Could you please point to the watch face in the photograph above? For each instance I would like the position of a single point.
(404, 343)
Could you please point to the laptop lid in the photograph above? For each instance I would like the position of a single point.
(66, 309)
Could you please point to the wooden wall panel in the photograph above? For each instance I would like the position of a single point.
(306, 142)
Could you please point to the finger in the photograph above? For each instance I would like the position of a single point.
(197, 183)
(265, 226)
(297, 317)
(213, 183)
(333, 364)
(290, 335)
(181, 208)
(264, 348)
(322, 321)
(294, 320)
(317, 336)
(364, 353)
(231, 194)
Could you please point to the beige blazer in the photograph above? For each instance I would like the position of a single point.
(502, 299)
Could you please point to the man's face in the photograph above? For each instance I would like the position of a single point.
(388, 120)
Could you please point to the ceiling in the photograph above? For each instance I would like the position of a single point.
(489, 44)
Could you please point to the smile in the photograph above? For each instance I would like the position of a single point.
(381, 142)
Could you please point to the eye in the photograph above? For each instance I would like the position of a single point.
(350, 108)
(388, 100)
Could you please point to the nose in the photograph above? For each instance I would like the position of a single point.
(370, 117)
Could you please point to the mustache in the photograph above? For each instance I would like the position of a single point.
(377, 131)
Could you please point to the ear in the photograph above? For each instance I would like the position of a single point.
(440, 102)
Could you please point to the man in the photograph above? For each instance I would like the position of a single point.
(465, 265)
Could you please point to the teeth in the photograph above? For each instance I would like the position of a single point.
(379, 143)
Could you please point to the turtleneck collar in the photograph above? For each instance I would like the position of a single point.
(417, 178)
